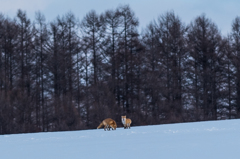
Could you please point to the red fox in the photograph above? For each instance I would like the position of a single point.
(108, 123)
(126, 122)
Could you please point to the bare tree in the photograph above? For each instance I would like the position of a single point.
(204, 44)
(236, 54)
(41, 38)
(113, 21)
(128, 35)
(165, 43)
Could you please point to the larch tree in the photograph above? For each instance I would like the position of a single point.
(204, 42)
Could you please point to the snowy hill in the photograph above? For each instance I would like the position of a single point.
(200, 140)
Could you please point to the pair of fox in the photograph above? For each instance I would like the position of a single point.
(110, 123)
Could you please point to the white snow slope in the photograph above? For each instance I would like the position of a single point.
(200, 140)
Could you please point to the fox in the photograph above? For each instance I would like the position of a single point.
(126, 122)
(108, 123)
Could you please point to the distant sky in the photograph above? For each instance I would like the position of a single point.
(222, 12)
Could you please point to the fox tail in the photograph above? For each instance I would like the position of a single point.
(100, 125)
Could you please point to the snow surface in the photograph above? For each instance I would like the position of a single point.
(199, 140)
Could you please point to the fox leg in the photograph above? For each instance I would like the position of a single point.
(128, 126)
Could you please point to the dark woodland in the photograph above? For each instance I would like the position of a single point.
(70, 74)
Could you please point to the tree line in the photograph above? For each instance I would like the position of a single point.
(70, 74)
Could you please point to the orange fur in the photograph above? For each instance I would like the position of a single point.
(108, 123)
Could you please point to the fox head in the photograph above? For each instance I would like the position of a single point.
(114, 126)
(124, 119)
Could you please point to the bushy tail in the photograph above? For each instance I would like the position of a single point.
(100, 125)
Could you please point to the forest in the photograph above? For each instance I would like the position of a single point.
(70, 74)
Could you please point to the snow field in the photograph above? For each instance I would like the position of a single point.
(199, 140)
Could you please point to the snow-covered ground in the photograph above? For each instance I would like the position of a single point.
(200, 140)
